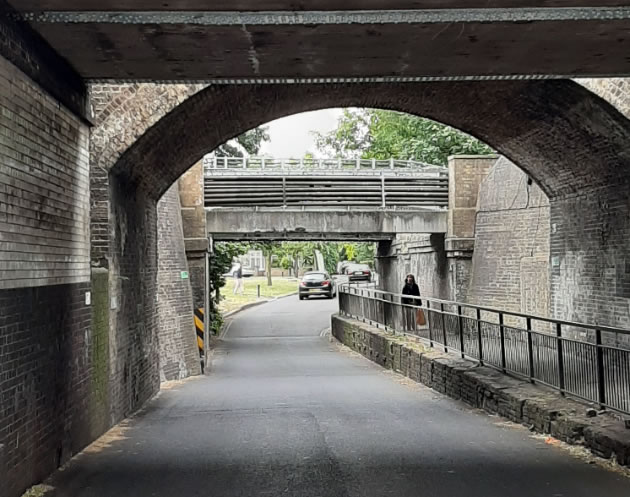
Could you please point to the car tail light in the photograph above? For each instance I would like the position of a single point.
(325, 283)
(366, 272)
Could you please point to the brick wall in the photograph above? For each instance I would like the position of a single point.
(122, 113)
(179, 355)
(510, 268)
(195, 230)
(466, 173)
(48, 396)
(422, 255)
(590, 272)
(44, 187)
(30, 53)
(50, 404)
(134, 346)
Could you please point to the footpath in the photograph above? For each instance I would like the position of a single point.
(541, 409)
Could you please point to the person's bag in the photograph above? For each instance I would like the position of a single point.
(420, 319)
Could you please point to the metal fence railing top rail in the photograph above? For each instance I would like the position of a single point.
(213, 164)
(589, 362)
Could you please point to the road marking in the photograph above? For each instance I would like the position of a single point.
(226, 329)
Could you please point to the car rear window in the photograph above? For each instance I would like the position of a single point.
(315, 277)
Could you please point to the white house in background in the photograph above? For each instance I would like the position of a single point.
(253, 260)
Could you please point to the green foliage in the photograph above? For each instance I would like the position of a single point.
(221, 263)
(384, 134)
(248, 142)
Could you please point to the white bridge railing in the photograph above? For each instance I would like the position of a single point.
(324, 183)
(213, 164)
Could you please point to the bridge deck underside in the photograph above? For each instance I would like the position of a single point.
(277, 224)
(457, 42)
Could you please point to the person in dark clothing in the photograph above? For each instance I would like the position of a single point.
(409, 313)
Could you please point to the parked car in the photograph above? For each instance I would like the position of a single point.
(358, 272)
(317, 283)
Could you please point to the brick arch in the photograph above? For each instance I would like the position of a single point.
(122, 114)
(565, 137)
(613, 90)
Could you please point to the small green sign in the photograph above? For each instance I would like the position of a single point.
(184, 275)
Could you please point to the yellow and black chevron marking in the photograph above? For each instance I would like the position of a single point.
(199, 327)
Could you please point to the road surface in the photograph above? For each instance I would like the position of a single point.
(286, 412)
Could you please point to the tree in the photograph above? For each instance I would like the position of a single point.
(249, 142)
(220, 263)
(384, 134)
(269, 249)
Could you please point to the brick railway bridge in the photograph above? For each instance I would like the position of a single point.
(105, 105)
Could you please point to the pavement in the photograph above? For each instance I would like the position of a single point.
(287, 412)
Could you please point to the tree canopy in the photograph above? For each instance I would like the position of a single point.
(247, 143)
(384, 134)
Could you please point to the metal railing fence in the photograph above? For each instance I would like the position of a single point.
(584, 361)
(212, 164)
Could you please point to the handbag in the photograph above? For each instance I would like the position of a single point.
(420, 319)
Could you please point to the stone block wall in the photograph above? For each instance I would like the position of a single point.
(179, 356)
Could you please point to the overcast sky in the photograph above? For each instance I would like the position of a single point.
(291, 136)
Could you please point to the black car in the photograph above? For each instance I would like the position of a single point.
(317, 283)
(359, 272)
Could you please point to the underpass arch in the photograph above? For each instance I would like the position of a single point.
(565, 137)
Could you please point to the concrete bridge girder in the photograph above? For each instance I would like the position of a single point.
(235, 224)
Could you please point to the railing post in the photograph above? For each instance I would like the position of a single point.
(284, 191)
(444, 337)
(560, 348)
(601, 383)
(479, 337)
(502, 335)
(430, 326)
(530, 349)
(358, 164)
(373, 163)
(383, 198)
(339, 163)
(391, 163)
(263, 163)
(244, 162)
(461, 330)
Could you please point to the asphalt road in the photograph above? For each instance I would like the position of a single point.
(285, 412)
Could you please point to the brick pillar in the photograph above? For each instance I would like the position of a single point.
(195, 231)
(466, 172)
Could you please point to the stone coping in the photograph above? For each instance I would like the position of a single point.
(539, 408)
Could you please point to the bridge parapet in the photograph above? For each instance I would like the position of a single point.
(286, 183)
(214, 165)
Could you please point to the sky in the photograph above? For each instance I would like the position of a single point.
(290, 137)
